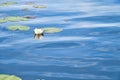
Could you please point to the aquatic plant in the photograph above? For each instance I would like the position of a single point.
(39, 6)
(9, 77)
(29, 17)
(25, 9)
(8, 3)
(23, 18)
(3, 20)
(18, 27)
(38, 36)
(52, 30)
(16, 19)
(13, 19)
(38, 31)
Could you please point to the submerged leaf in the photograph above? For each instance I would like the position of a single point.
(25, 9)
(18, 27)
(39, 6)
(9, 77)
(23, 19)
(52, 30)
(29, 3)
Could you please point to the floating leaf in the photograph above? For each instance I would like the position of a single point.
(16, 19)
(9, 77)
(29, 17)
(52, 30)
(12, 28)
(18, 27)
(13, 19)
(8, 3)
(39, 6)
(24, 28)
(3, 20)
(23, 19)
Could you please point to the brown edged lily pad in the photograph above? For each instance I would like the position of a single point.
(29, 17)
(25, 9)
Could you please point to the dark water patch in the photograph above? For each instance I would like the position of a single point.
(52, 68)
(56, 13)
(3, 39)
(57, 45)
(107, 19)
(98, 31)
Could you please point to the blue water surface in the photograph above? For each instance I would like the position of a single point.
(88, 48)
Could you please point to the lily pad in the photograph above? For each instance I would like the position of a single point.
(8, 3)
(16, 19)
(3, 20)
(18, 27)
(23, 19)
(52, 30)
(24, 28)
(29, 17)
(9, 77)
(13, 19)
(39, 6)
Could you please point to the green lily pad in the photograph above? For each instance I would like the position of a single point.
(18, 27)
(24, 28)
(8, 3)
(16, 19)
(3, 20)
(13, 19)
(39, 6)
(52, 30)
(23, 19)
(9, 77)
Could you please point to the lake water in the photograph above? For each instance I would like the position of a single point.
(88, 48)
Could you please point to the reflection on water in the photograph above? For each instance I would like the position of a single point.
(87, 49)
(38, 36)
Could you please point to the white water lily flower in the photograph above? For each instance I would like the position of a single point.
(38, 31)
